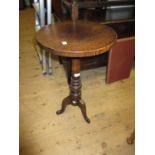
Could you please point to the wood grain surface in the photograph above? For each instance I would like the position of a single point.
(77, 38)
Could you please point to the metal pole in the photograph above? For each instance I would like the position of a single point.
(42, 13)
(49, 13)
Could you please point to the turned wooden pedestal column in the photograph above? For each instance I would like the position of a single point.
(76, 39)
(75, 91)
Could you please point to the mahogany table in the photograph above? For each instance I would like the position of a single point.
(76, 39)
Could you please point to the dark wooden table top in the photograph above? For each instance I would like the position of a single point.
(76, 38)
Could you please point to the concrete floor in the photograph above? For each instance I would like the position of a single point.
(109, 106)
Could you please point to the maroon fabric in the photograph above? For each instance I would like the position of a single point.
(120, 61)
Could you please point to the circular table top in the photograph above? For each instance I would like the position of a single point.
(76, 38)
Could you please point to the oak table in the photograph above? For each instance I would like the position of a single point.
(76, 39)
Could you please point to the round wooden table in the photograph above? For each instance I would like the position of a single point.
(76, 39)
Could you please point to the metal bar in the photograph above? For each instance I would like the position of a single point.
(39, 52)
(49, 63)
(44, 62)
(49, 13)
(42, 13)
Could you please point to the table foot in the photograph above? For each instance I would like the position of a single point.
(80, 104)
(65, 102)
(131, 139)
